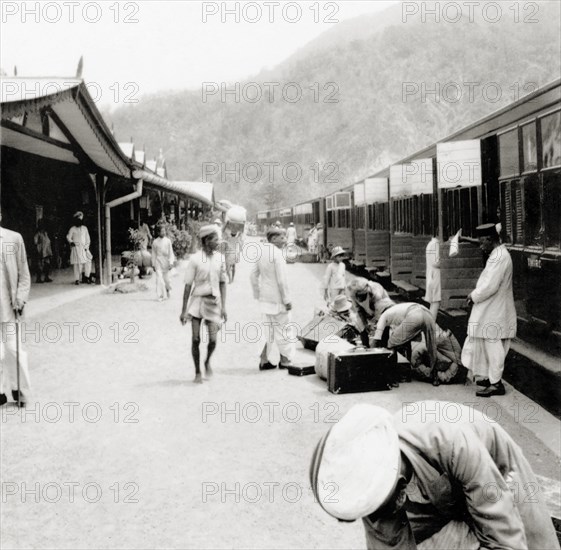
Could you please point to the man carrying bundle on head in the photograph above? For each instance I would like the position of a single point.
(204, 298)
(434, 476)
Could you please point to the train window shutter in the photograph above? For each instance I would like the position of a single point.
(518, 210)
(507, 209)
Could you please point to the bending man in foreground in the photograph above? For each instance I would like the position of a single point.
(435, 475)
(204, 298)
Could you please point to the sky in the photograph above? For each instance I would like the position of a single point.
(135, 48)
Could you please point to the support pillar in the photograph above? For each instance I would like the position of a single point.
(100, 203)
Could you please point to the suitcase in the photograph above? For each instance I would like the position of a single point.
(301, 371)
(320, 328)
(333, 344)
(361, 370)
(303, 362)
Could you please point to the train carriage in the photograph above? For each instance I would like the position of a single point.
(505, 169)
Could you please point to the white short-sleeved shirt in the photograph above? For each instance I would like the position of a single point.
(206, 273)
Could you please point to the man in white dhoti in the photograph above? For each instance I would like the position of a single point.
(270, 287)
(80, 255)
(492, 323)
(204, 298)
(15, 283)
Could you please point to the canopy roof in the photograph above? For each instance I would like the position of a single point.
(74, 130)
(200, 191)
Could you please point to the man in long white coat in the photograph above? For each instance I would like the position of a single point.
(433, 476)
(492, 323)
(80, 256)
(270, 287)
(15, 283)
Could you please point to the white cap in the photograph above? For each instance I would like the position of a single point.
(356, 465)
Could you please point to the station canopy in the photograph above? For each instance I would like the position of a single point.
(197, 190)
(57, 118)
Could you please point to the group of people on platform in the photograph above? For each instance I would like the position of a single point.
(409, 327)
(312, 241)
(414, 481)
(417, 479)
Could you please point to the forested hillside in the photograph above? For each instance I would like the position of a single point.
(367, 109)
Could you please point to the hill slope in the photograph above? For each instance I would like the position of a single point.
(358, 117)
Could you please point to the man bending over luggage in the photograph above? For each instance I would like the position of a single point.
(435, 475)
(407, 321)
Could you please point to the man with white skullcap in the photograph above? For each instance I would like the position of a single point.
(204, 298)
(435, 475)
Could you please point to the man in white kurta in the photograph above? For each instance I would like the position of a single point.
(270, 287)
(80, 256)
(15, 283)
(492, 323)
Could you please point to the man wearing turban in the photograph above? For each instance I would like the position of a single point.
(204, 298)
(80, 256)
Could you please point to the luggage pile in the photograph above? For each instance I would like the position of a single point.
(346, 367)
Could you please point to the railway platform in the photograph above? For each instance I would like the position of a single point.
(235, 449)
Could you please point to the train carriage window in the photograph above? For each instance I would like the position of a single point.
(360, 217)
(330, 218)
(461, 210)
(552, 208)
(344, 218)
(473, 208)
(551, 140)
(508, 153)
(529, 150)
(532, 211)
